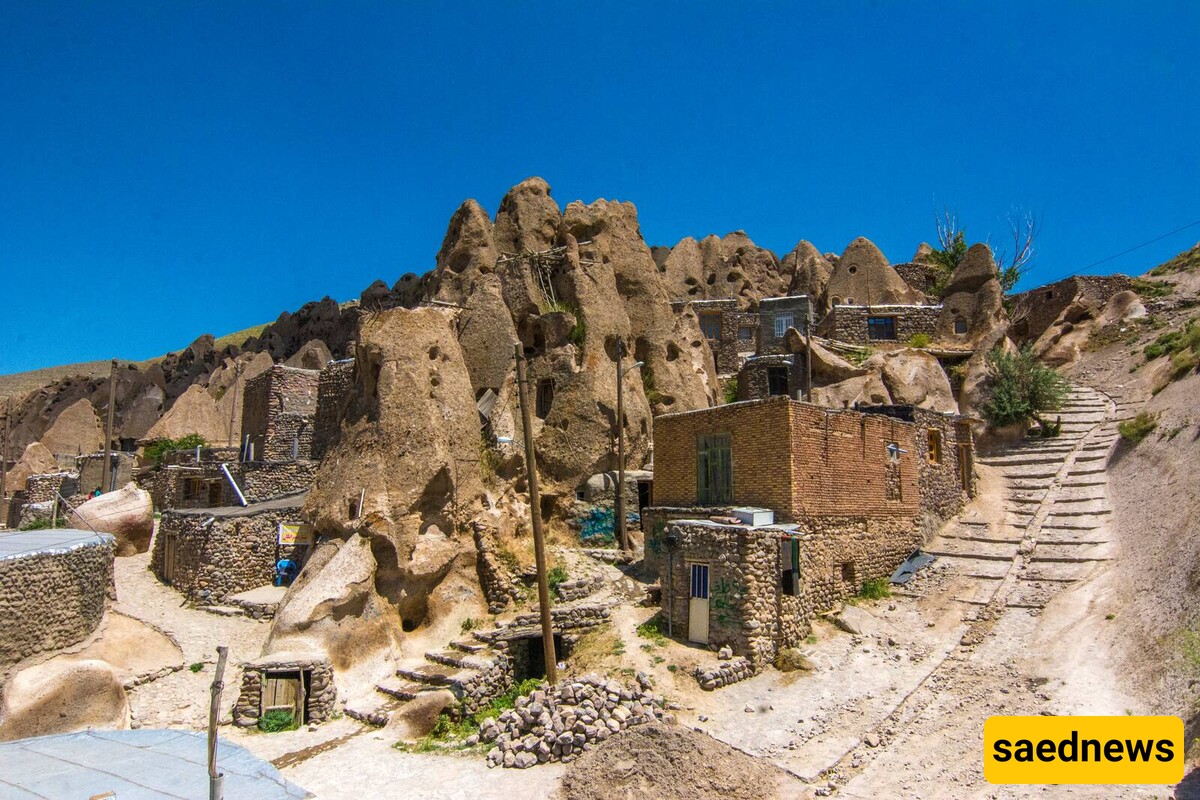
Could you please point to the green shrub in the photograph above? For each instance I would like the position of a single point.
(731, 390)
(653, 395)
(278, 721)
(157, 451)
(36, 525)
(469, 624)
(919, 340)
(1184, 262)
(1021, 388)
(199, 665)
(876, 589)
(1152, 289)
(557, 576)
(578, 331)
(654, 629)
(1138, 428)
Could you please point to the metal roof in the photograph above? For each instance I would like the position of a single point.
(52, 541)
(136, 765)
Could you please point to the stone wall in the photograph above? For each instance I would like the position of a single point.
(918, 275)
(52, 598)
(725, 673)
(768, 309)
(749, 611)
(46, 487)
(754, 380)
(321, 697)
(1033, 312)
(729, 348)
(333, 393)
(654, 525)
(940, 474)
(278, 412)
(204, 485)
(848, 323)
(233, 553)
(794, 458)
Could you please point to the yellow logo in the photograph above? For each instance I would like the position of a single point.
(1083, 750)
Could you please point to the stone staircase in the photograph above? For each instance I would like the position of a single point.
(1054, 529)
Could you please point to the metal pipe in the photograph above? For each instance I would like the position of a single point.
(241, 498)
(619, 522)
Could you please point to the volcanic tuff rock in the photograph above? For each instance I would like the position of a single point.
(194, 412)
(62, 696)
(313, 355)
(409, 448)
(76, 430)
(863, 276)
(36, 460)
(974, 295)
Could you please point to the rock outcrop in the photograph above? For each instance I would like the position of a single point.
(76, 430)
(863, 276)
(973, 300)
(409, 450)
(127, 513)
(61, 696)
(194, 412)
(312, 355)
(36, 460)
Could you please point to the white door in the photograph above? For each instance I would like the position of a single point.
(698, 604)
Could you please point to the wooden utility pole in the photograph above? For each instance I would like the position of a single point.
(535, 511)
(106, 479)
(237, 373)
(621, 535)
(4, 459)
(215, 779)
(808, 352)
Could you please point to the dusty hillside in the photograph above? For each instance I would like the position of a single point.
(1156, 489)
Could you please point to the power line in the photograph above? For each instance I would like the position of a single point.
(1131, 249)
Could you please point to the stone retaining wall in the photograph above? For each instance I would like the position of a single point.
(53, 599)
(725, 673)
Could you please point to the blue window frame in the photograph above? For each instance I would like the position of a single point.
(700, 581)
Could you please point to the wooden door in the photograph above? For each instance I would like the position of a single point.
(283, 691)
(698, 604)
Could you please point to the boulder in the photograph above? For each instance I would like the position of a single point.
(417, 717)
(914, 377)
(858, 621)
(36, 460)
(863, 276)
(313, 355)
(61, 696)
(127, 513)
(827, 367)
(194, 412)
(867, 389)
(76, 430)
(790, 659)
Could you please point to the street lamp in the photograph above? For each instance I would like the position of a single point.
(619, 532)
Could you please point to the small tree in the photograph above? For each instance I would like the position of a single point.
(953, 240)
(1023, 230)
(157, 451)
(1021, 388)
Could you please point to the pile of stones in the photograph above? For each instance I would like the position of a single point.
(559, 723)
(730, 670)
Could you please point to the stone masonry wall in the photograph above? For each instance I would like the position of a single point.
(91, 470)
(232, 554)
(333, 392)
(848, 323)
(51, 600)
(1033, 312)
(754, 381)
(279, 408)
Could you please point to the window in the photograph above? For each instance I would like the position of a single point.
(545, 398)
(777, 381)
(789, 561)
(881, 328)
(745, 334)
(699, 587)
(714, 470)
(960, 326)
(710, 326)
(193, 488)
(935, 446)
(783, 321)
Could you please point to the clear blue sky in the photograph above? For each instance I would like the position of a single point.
(173, 168)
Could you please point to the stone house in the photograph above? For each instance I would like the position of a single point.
(772, 376)
(850, 494)
(880, 326)
(333, 393)
(278, 411)
(209, 554)
(1033, 312)
(731, 332)
(91, 470)
(776, 315)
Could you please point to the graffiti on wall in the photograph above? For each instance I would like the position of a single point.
(726, 596)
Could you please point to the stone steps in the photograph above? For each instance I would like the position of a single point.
(401, 689)
(458, 659)
(973, 548)
(985, 569)
(467, 646)
(439, 675)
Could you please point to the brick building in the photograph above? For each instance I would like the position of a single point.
(852, 492)
(880, 325)
(278, 410)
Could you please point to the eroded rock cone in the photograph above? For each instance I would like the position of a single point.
(76, 430)
(194, 412)
(36, 460)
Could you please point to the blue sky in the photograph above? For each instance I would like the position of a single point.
(172, 168)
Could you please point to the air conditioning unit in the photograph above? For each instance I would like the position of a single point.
(755, 516)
